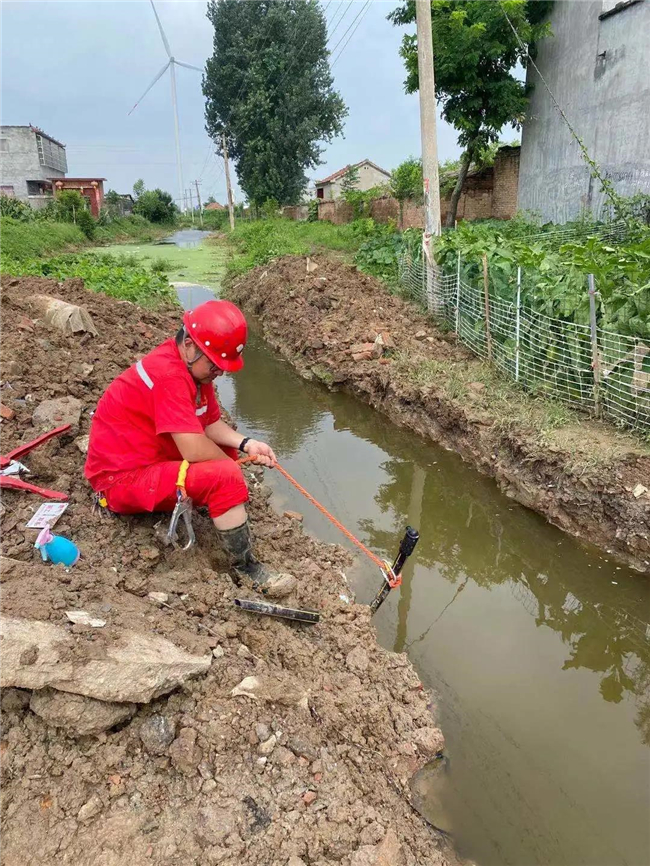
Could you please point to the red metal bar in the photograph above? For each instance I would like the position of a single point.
(12, 483)
(5, 459)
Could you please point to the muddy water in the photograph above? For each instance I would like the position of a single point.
(538, 646)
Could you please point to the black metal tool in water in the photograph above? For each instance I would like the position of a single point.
(268, 609)
(393, 574)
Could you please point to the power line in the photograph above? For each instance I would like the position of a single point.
(362, 13)
(340, 19)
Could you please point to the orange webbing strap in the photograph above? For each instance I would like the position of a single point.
(384, 566)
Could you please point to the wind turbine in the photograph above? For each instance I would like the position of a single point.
(171, 64)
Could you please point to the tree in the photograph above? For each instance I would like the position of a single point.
(211, 200)
(155, 205)
(406, 183)
(475, 54)
(138, 188)
(350, 179)
(268, 89)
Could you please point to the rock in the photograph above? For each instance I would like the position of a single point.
(378, 348)
(218, 652)
(133, 667)
(62, 316)
(309, 797)
(82, 617)
(77, 715)
(387, 853)
(150, 553)
(280, 585)
(316, 343)
(157, 733)
(262, 731)
(209, 786)
(639, 490)
(357, 660)
(267, 746)
(311, 266)
(56, 413)
(303, 749)
(429, 741)
(387, 340)
(294, 515)
(15, 700)
(6, 413)
(214, 824)
(362, 356)
(90, 809)
(82, 443)
(420, 335)
(158, 597)
(185, 754)
(358, 348)
(231, 629)
(281, 690)
(25, 324)
(295, 861)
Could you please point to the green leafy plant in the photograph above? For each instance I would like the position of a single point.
(312, 211)
(406, 183)
(14, 208)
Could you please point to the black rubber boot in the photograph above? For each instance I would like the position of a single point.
(238, 543)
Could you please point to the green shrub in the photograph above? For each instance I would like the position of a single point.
(118, 276)
(14, 208)
(312, 211)
(86, 223)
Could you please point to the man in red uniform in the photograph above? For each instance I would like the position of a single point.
(162, 411)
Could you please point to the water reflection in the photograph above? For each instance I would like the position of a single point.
(538, 644)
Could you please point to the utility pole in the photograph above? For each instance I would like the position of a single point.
(198, 197)
(188, 193)
(429, 139)
(231, 209)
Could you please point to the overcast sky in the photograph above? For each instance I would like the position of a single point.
(76, 68)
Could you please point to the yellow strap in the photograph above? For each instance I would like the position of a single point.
(182, 474)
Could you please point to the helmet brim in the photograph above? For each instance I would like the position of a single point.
(227, 365)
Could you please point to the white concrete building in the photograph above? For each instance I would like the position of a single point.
(369, 175)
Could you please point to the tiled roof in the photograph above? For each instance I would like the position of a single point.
(342, 171)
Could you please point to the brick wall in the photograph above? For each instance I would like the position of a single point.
(487, 194)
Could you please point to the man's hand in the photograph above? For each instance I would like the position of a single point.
(262, 453)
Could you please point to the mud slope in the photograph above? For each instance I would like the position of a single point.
(313, 769)
(581, 475)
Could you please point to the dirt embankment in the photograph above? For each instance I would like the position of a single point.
(314, 768)
(584, 477)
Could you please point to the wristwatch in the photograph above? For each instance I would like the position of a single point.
(242, 444)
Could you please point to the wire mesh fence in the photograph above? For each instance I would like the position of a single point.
(602, 372)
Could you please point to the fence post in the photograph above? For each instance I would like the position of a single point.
(517, 323)
(458, 295)
(595, 357)
(486, 297)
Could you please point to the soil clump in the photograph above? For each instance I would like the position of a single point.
(296, 745)
(345, 329)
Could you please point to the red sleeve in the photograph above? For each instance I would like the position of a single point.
(174, 407)
(214, 412)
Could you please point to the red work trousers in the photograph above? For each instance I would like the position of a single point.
(217, 484)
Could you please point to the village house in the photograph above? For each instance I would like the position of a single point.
(369, 175)
(33, 168)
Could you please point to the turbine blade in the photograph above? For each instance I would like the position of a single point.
(160, 74)
(187, 65)
(162, 32)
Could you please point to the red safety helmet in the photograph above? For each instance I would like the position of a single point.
(219, 330)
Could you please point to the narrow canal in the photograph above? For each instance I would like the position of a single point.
(537, 646)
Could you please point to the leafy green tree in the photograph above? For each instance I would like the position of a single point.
(211, 200)
(406, 183)
(138, 188)
(268, 89)
(476, 53)
(155, 205)
(350, 180)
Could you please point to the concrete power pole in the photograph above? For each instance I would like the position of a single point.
(429, 138)
(231, 209)
(189, 197)
(198, 197)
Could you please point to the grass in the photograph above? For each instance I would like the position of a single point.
(132, 228)
(27, 240)
(553, 424)
(257, 242)
(122, 277)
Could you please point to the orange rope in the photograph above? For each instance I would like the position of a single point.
(382, 565)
